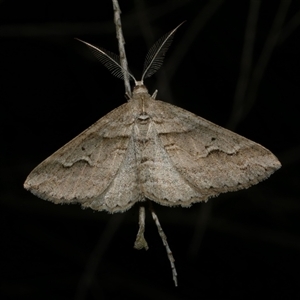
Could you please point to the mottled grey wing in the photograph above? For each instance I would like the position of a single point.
(90, 168)
(211, 159)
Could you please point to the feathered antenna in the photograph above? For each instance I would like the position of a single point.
(110, 60)
(154, 58)
(156, 54)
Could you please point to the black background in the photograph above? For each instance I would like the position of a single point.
(240, 245)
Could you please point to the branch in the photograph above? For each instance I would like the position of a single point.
(121, 42)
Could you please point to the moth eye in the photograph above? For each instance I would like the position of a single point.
(213, 139)
(83, 148)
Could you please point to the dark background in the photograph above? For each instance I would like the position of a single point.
(241, 245)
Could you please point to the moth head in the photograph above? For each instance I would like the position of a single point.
(140, 88)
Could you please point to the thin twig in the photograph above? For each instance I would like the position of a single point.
(246, 65)
(121, 43)
(164, 240)
(202, 223)
(260, 67)
(88, 276)
(289, 27)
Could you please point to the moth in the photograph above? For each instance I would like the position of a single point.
(149, 149)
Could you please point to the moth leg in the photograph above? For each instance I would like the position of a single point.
(164, 240)
(140, 241)
(154, 94)
(127, 96)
